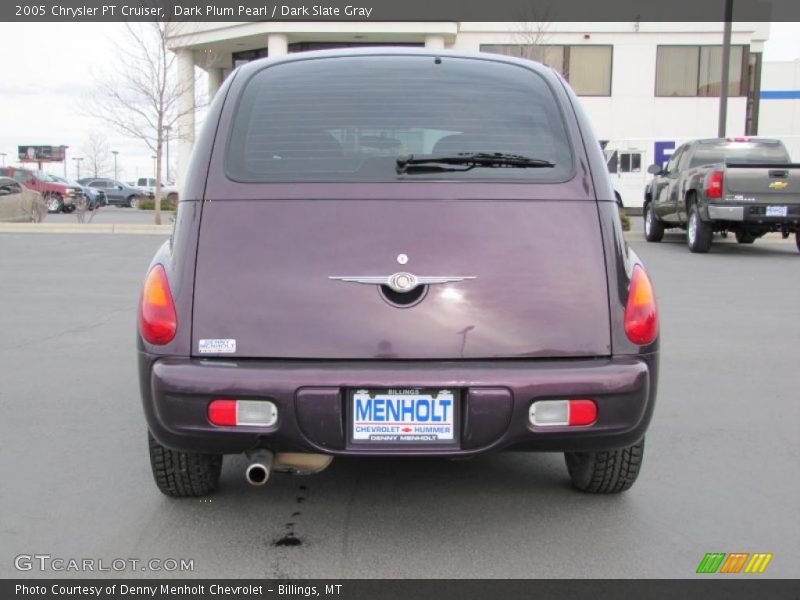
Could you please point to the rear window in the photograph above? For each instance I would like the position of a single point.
(739, 152)
(350, 118)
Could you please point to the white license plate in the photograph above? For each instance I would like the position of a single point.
(400, 416)
(776, 211)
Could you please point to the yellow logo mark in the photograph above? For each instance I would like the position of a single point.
(758, 563)
(778, 185)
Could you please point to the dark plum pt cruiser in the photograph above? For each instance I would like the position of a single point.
(395, 253)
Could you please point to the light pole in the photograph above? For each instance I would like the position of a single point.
(78, 160)
(166, 128)
(726, 61)
(3, 154)
(115, 152)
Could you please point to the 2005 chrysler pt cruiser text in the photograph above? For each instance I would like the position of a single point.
(395, 253)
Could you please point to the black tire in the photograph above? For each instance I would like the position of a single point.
(653, 228)
(183, 474)
(132, 201)
(745, 237)
(607, 472)
(698, 234)
(797, 239)
(54, 202)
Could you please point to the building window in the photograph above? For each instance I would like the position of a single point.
(587, 68)
(245, 56)
(683, 71)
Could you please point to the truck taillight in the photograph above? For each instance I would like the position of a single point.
(158, 320)
(714, 185)
(641, 313)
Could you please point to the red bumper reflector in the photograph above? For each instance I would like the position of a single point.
(222, 412)
(582, 412)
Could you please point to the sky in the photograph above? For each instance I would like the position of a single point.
(49, 70)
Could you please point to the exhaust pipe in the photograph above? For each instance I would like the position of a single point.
(260, 467)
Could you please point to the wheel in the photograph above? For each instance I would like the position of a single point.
(698, 233)
(183, 474)
(54, 203)
(133, 201)
(172, 197)
(653, 228)
(607, 472)
(797, 239)
(744, 237)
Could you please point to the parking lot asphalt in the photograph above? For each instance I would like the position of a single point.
(719, 475)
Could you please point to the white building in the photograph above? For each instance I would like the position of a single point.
(645, 86)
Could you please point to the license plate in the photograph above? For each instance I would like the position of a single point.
(403, 416)
(776, 211)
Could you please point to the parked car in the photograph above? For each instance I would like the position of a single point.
(59, 197)
(117, 192)
(169, 191)
(95, 197)
(468, 291)
(20, 204)
(740, 185)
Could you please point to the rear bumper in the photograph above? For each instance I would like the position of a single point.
(495, 398)
(753, 214)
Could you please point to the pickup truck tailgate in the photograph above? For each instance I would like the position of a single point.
(772, 184)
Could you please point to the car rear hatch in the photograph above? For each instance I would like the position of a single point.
(535, 279)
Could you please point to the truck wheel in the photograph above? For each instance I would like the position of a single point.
(183, 474)
(744, 237)
(698, 234)
(653, 228)
(133, 201)
(54, 203)
(607, 472)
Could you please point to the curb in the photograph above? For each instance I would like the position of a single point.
(130, 228)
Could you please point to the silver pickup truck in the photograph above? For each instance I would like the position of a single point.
(745, 186)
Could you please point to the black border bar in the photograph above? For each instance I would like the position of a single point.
(710, 587)
(520, 11)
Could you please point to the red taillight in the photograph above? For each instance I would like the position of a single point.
(222, 412)
(157, 318)
(582, 412)
(641, 314)
(714, 185)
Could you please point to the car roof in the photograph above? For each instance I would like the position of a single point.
(254, 66)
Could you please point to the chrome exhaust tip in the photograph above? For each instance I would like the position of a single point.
(260, 467)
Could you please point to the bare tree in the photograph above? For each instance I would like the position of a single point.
(96, 154)
(533, 35)
(140, 98)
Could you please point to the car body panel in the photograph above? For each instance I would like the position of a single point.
(19, 203)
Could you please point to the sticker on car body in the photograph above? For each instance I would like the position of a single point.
(217, 346)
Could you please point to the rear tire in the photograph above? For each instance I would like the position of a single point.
(698, 234)
(607, 472)
(183, 474)
(744, 237)
(133, 201)
(653, 228)
(797, 239)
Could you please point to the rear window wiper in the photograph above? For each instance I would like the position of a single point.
(465, 161)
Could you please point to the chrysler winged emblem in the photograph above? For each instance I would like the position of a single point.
(402, 282)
